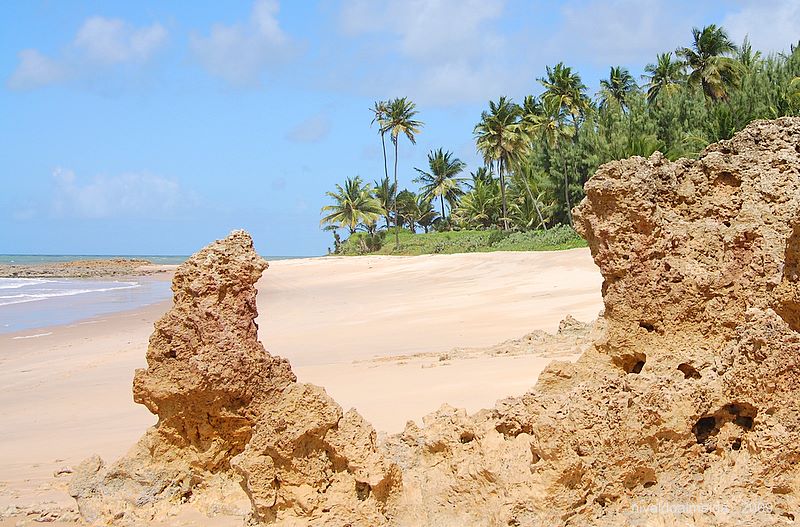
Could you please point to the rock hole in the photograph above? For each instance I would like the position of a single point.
(667, 266)
(648, 484)
(688, 371)
(363, 490)
(171, 354)
(535, 457)
(736, 444)
(741, 414)
(647, 326)
(727, 179)
(631, 363)
(788, 515)
(466, 437)
(185, 495)
(703, 428)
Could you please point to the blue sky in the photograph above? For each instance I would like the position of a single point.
(153, 127)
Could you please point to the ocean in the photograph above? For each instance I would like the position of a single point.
(29, 303)
(27, 259)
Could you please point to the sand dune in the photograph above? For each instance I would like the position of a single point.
(67, 394)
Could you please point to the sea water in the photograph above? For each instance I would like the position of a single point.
(27, 303)
(28, 259)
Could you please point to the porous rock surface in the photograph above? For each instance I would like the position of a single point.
(230, 413)
(682, 412)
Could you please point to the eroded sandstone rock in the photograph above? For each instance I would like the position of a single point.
(684, 410)
(224, 402)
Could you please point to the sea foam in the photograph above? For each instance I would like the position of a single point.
(22, 290)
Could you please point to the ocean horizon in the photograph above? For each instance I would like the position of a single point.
(159, 259)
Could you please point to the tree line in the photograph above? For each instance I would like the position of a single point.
(539, 153)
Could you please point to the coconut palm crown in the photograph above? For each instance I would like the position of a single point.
(442, 181)
(354, 206)
(710, 68)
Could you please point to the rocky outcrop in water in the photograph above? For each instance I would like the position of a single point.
(100, 268)
(683, 411)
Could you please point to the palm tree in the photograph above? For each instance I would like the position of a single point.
(617, 87)
(567, 88)
(353, 206)
(479, 207)
(665, 76)
(549, 127)
(441, 182)
(426, 216)
(500, 140)
(407, 209)
(711, 69)
(380, 110)
(384, 192)
(400, 121)
(481, 174)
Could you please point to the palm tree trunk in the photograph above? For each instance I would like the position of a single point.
(535, 202)
(385, 172)
(503, 192)
(396, 226)
(385, 165)
(566, 193)
(441, 198)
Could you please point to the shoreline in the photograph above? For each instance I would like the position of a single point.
(64, 305)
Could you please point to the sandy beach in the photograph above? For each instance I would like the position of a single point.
(374, 331)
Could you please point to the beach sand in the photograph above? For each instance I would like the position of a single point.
(347, 324)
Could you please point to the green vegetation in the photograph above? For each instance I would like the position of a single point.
(465, 241)
(538, 154)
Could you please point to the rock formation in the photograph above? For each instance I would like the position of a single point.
(682, 412)
(230, 412)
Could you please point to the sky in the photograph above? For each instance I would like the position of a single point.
(155, 127)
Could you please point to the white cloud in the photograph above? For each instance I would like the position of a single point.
(99, 43)
(112, 41)
(125, 195)
(429, 30)
(312, 130)
(619, 32)
(34, 70)
(772, 25)
(451, 52)
(241, 53)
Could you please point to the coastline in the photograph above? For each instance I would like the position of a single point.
(34, 305)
